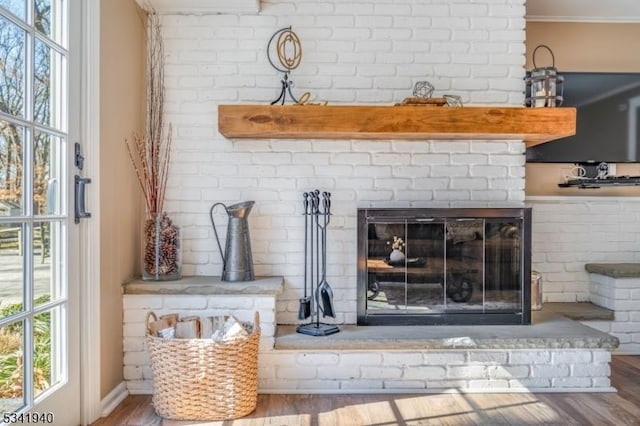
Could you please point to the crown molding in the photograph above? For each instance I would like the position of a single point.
(585, 19)
(588, 11)
(201, 7)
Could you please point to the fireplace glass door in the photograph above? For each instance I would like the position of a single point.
(462, 269)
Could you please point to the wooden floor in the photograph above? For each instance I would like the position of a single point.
(622, 408)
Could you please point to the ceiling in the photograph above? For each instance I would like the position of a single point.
(583, 10)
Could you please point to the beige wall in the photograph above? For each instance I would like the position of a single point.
(581, 47)
(121, 113)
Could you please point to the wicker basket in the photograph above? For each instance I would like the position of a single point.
(202, 379)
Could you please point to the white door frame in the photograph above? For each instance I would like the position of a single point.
(90, 229)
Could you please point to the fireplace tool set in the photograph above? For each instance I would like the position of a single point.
(318, 296)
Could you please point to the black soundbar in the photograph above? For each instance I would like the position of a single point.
(599, 182)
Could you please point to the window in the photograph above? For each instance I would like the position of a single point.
(33, 216)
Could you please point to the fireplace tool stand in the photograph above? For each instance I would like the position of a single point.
(316, 222)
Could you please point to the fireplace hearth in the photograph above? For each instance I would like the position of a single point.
(444, 266)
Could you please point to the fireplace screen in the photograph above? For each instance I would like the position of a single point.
(444, 266)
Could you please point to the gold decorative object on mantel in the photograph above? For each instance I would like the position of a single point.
(423, 102)
(411, 122)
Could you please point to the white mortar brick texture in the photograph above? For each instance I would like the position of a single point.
(372, 52)
(619, 295)
(445, 358)
(370, 370)
(426, 373)
(488, 384)
(535, 383)
(569, 232)
(529, 357)
(550, 370)
(509, 372)
(491, 371)
(571, 357)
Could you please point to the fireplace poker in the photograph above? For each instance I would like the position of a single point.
(304, 311)
(316, 197)
(324, 292)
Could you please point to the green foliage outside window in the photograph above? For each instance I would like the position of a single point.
(11, 352)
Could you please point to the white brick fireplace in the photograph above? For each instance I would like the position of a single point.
(364, 52)
(555, 354)
(369, 52)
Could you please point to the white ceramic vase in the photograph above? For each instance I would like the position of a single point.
(396, 256)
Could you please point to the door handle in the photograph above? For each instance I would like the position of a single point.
(80, 208)
(52, 192)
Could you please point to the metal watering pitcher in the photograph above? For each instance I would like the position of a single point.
(236, 258)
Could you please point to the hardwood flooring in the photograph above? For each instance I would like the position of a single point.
(622, 408)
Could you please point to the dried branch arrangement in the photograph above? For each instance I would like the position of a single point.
(151, 152)
(150, 155)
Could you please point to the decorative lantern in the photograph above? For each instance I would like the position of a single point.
(544, 83)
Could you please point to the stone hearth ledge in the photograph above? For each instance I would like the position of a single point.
(548, 331)
(614, 270)
(553, 355)
(208, 285)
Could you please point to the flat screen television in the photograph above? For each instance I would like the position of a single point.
(607, 123)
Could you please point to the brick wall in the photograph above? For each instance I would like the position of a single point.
(583, 369)
(571, 231)
(622, 295)
(504, 370)
(364, 52)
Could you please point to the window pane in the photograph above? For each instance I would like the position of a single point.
(464, 265)
(46, 261)
(47, 91)
(11, 145)
(48, 19)
(12, 68)
(43, 16)
(503, 266)
(46, 346)
(11, 268)
(17, 7)
(11, 367)
(46, 174)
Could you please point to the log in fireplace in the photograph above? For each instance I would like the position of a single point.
(455, 266)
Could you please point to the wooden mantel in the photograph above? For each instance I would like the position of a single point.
(533, 125)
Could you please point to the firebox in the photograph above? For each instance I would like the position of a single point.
(444, 266)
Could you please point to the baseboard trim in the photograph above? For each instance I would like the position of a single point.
(431, 391)
(113, 399)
